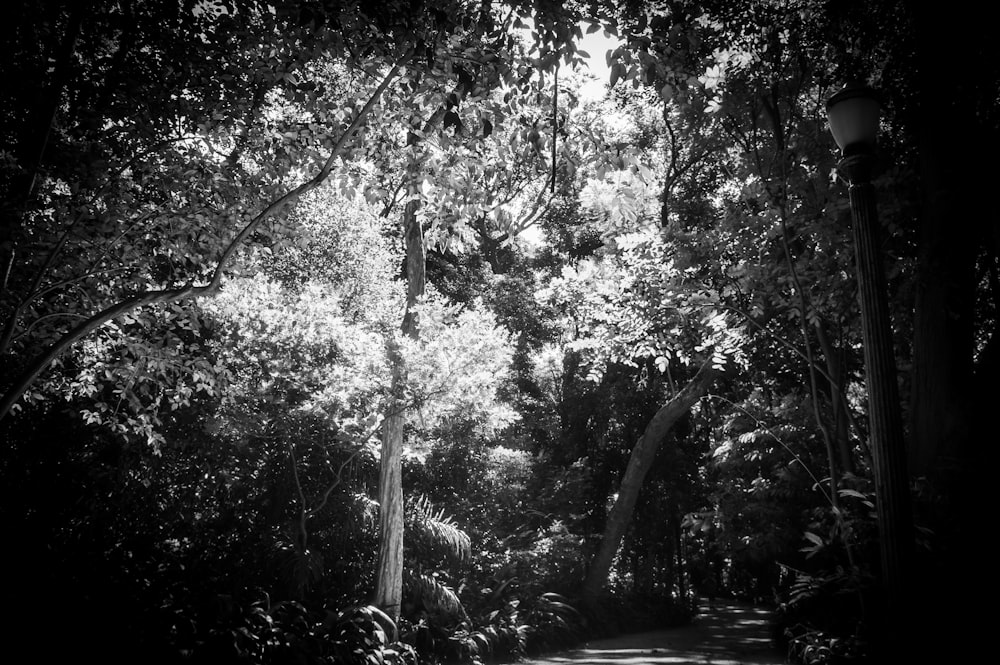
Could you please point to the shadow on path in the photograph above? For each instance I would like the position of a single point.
(723, 633)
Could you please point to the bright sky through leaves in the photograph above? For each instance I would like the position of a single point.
(596, 44)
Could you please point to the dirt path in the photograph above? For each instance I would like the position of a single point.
(723, 633)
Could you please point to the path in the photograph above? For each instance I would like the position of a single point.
(723, 633)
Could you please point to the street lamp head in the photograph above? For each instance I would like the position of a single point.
(853, 113)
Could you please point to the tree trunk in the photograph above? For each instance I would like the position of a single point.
(389, 574)
(389, 580)
(838, 405)
(639, 464)
(955, 211)
(678, 574)
(943, 337)
(951, 421)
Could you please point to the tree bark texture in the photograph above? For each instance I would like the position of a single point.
(838, 406)
(958, 218)
(639, 464)
(951, 416)
(944, 309)
(389, 574)
(389, 580)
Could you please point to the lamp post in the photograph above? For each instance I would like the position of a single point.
(853, 113)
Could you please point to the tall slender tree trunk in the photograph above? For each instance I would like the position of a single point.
(943, 328)
(956, 212)
(679, 556)
(838, 406)
(639, 464)
(951, 420)
(389, 574)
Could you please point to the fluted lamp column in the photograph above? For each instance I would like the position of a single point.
(853, 113)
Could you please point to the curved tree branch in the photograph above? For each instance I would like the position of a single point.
(28, 376)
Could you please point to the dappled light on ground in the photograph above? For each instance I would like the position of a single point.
(723, 633)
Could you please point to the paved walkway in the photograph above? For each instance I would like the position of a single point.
(723, 633)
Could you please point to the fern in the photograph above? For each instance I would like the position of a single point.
(436, 597)
(435, 530)
(553, 623)
(359, 635)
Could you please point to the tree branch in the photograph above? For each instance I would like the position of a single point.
(30, 374)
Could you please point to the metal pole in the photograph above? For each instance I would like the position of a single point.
(886, 428)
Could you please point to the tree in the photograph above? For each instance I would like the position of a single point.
(389, 580)
(634, 308)
(480, 53)
(110, 175)
(781, 58)
(640, 461)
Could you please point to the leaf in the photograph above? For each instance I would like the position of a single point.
(593, 27)
(436, 596)
(616, 73)
(857, 495)
(435, 528)
(487, 128)
(451, 119)
(813, 538)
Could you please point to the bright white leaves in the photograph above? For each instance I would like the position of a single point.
(625, 200)
(455, 367)
(636, 306)
(547, 371)
(298, 348)
(303, 331)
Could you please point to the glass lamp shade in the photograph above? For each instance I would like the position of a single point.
(853, 114)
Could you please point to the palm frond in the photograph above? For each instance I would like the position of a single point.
(435, 597)
(430, 526)
(557, 604)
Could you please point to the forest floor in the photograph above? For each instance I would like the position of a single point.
(724, 632)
